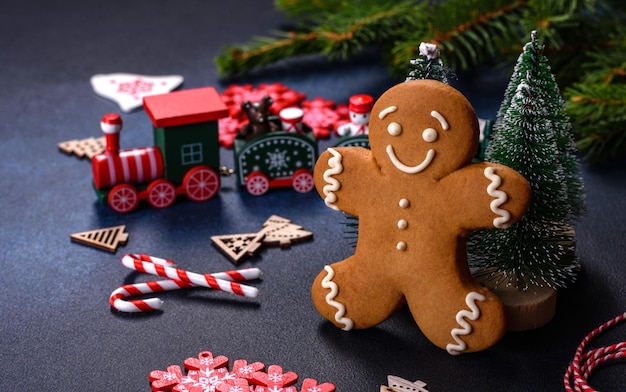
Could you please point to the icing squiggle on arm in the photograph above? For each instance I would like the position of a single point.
(461, 316)
(501, 197)
(334, 167)
(327, 283)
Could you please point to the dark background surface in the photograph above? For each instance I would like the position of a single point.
(57, 331)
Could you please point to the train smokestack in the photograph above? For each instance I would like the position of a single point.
(111, 125)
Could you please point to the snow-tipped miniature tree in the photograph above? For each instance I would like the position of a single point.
(532, 135)
(428, 65)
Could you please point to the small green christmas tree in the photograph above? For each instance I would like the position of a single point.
(532, 135)
(428, 64)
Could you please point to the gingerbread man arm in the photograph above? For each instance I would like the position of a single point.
(343, 175)
(487, 195)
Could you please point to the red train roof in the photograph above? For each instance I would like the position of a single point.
(185, 107)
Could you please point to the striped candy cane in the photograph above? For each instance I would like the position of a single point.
(118, 301)
(206, 280)
(585, 362)
(224, 281)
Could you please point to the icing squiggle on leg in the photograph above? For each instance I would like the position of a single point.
(461, 316)
(333, 185)
(501, 197)
(327, 283)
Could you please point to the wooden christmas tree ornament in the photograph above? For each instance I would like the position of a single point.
(280, 231)
(238, 246)
(276, 231)
(84, 147)
(108, 238)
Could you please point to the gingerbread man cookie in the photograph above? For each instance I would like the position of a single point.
(417, 196)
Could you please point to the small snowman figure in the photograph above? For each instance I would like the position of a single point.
(360, 108)
(291, 120)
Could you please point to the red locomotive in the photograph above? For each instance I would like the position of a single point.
(185, 159)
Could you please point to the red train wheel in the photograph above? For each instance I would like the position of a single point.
(161, 193)
(123, 198)
(201, 183)
(257, 183)
(302, 181)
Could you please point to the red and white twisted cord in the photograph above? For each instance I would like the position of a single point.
(585, 362)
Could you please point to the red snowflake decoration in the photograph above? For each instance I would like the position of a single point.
(235, 95)
(206, 380)
(135, 87)
(207, 373)
(319, 114)
(205, 361)
(165, 380)
(275, 380)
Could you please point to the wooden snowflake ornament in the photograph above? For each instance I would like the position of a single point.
(165, 380)
(275, 380)
(243, 369)
(311, 385)
(209, 373)
(205, 360)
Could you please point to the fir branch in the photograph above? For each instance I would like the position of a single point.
(338, 36)
(598, 111)
(307, 8)
(263, 51)
(468, 32)
(597, 103)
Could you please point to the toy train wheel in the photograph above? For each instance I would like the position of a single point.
(123, 198)
(257, 183)
(201, 183)
(161, 193)
(302, 181)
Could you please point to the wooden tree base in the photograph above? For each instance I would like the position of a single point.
(524, 309)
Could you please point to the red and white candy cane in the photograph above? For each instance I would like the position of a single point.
(585, 362)
(224, 281)
(119, 303)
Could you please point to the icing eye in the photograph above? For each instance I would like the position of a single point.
(394, 128)
(430, 135)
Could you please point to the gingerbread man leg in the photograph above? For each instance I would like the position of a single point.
(459, 318)
(348, 302)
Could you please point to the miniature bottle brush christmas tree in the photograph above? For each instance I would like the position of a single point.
(532, 135)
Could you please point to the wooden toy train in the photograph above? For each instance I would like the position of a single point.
(185, 157)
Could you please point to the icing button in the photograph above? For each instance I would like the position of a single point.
(402, 224)
(404, 203)
(401, 245)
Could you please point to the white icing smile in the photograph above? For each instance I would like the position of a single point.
(409, 169)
